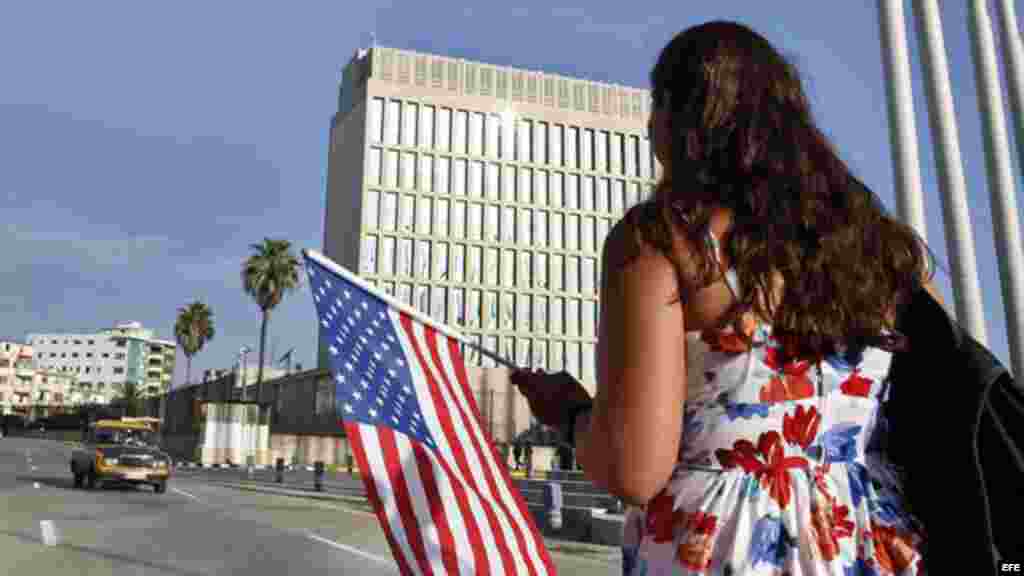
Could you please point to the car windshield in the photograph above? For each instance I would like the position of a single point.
(127, 437)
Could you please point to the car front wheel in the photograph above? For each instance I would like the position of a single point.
(90, 480)
(160, 487)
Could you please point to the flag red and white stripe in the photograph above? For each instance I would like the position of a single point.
(450, 508)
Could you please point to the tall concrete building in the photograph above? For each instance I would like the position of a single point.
(104, 360)
(482, 195)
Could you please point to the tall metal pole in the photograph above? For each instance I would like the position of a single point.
(903, 131)
(948, 163)
(1005, 224)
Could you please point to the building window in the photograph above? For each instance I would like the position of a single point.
(442, 168)
(491, 224)
(508, 184)
(408, 170)
(572, 229)
(523, 310)
(426, 131)
(376, 120)
(601, 204)
(423, 259)
(118, 370)
(540, 188)
(587, 194)
(475, 217)
(523, 150)
(444, 130)
(491, 274)
(555, 145)
(391, 122)
(440, 261)
(588, 276)
(423, 211)
(473, 309)
(405, 257)
(476, 134)
(540, 271)
(389, 213)
(508, 224)
(410, 111)
(572, 196)
(586, 149)
(493, 135)
(459, 219)
(391, 169)
(407, 214)
(387, 256)
(476, 176)
(493, 182)
(325, 389)
(475, 264)
(615, 154)
(508, 311)
(508, 268)
(459, 177)
(369, 255)
(540, 139)
(632, 145)
(556, 273)
(425, 173)
(459, 132)
(572, 274)
(458, 263)
(588, 234)
(525, 223)
(525, 185)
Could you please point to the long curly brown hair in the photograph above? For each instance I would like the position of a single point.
(743, 138)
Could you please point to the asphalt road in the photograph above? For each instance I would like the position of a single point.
(197, 527)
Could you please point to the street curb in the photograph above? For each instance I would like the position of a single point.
(253, 487)
(564, 547)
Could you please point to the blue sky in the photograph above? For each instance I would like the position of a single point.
(146, 145)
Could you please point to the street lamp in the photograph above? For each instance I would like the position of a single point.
(243, 353)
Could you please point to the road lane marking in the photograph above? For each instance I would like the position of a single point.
(49, 532)
(186, 494)
(353, 550)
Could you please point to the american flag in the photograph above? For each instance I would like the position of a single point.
(441, 492)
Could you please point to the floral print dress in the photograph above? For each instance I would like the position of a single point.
(779, 472)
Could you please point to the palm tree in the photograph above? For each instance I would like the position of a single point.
(267, 275)
(193, 329)
(129, 396)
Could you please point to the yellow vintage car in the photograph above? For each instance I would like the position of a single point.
(120, 451)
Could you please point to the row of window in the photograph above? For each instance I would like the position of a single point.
(117, 355)
(576, 358)
(425, 126)
(58, 397)
(88, 369)
(466, 264)
(458, 220)
(505, 182)
(120, 343)
(475, 309)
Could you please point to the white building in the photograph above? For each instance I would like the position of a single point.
(103, 361)
(482, 195)
(31, 392)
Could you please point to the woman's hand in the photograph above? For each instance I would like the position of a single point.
(550, 396)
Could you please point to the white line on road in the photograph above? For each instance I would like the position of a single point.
(352, 550)
(183, 493)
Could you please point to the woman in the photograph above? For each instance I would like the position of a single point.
(759, 238)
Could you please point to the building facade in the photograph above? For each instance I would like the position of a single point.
(482, 195)
(29, 391)
(104, 361)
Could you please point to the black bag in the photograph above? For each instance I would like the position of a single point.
(956, 429)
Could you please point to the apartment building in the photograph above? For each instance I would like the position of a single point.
(482, 195)
(104, 360)
(31, 392)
